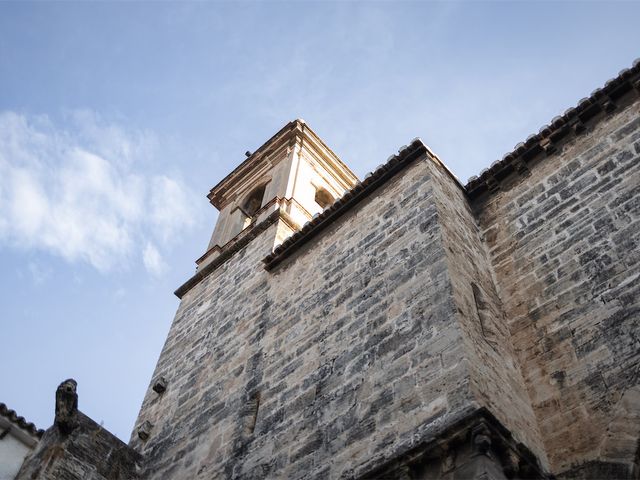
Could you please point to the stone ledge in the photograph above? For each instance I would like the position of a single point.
(478, 434)
(229, 251)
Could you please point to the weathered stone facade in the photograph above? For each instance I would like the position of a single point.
(564, 242)
(417, 328)
(332, 363)
(379, 338)
(77, 448)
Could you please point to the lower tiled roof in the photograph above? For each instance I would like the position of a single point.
(19, 421)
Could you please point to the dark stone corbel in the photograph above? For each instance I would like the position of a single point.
(578, 127)
(548, 146)
(481, 438)
(520, 166)
(526, 469)
(608, 105)
(160, 385)
(66, 418)
(511, 464)
(492, 183)
(144, 431)
(448, 460)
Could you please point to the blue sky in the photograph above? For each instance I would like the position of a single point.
(117, 118)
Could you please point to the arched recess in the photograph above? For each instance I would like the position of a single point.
(253, 202)
(323, 198)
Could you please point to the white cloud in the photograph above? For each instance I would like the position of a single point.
(170, 206)
(81, 193)
(153, 260)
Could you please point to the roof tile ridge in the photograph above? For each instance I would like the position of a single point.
(600, 96)
(20, 421)
(405, 154)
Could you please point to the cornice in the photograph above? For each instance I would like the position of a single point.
(20, 422)
(515, 458)
(234, 246)
(294, 132)
(377, 178)
(574, 122)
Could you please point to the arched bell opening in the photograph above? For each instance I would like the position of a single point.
(323, 198)
(253, 202)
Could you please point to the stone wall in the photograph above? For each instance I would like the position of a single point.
(365, 333)
(88, 452)
(565, 247)
(497, 382)
(342, 358)
(425, 330)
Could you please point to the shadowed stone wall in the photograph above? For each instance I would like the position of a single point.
(565, 246)
(89, 453)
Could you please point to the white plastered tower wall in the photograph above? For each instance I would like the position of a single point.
(292, 166)
(15, 445)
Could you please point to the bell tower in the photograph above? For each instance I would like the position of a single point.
(294, 174)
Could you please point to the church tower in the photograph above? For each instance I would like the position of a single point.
(294, 174)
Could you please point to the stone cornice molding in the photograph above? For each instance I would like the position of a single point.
(362, 190)
(480, 431)
(233, 246)
(295, 133)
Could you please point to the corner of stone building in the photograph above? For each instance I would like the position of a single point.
(496, 381)
(474, 446)
(77, 448)
(563, 235)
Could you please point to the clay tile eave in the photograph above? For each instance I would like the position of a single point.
(19, 421)
(349, 199)
(600, 99)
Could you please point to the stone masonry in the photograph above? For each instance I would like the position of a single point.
(413, 328)
(76, 447)
(564, 243)
(416, 306)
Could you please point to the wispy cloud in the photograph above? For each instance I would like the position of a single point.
(153, 260)
(80, 192)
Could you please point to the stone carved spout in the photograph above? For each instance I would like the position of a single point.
(67, 406)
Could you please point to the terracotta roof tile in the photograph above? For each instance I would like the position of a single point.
(372, 181)
(601, 99)
(19, 421)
